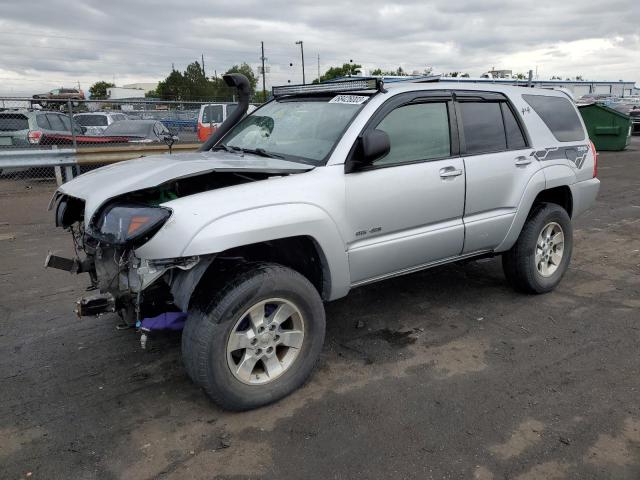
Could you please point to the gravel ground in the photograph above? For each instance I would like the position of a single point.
(446, 373)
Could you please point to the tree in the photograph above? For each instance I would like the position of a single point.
(172, 87)
(247, 71)
(346, 70)
(98, 90)
(196, 84)
(400, 72)
(193, 85)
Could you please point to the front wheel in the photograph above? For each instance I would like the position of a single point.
(256, 340)
(541, 255)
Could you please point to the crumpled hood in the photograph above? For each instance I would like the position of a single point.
(100, 185)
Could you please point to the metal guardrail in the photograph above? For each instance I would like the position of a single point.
(68, 158)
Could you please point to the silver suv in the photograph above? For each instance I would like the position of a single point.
(325, 188)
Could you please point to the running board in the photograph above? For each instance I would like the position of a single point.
(423, 266)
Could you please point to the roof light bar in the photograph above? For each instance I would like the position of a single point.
(341, 86)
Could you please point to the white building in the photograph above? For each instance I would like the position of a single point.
(115, 93)
(146, 86)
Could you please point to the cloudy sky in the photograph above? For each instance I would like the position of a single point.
(50, 43)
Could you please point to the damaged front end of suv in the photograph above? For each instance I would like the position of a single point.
(112, 211)
(105, 250)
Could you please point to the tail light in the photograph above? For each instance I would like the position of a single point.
(34, 136)
(595, 160)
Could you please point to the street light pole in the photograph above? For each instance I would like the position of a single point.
(299, 42)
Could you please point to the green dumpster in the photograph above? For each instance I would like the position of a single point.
(608, 129)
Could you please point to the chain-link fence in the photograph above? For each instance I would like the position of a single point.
(55, 139)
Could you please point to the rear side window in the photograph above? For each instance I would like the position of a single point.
(56, 123)
(559, 115)
(66, 121)
(43, 122)
(416, 132)
(483, 127)
(12, 122)
(515, 138)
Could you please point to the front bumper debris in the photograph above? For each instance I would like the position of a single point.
(95, 304)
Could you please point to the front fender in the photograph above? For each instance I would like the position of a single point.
(262, 224)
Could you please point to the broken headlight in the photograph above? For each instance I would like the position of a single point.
(129, 223)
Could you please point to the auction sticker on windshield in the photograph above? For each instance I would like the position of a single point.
(351, 99)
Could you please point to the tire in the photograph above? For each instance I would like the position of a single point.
(520, 263)
(216, 316)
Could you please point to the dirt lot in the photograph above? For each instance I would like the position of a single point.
(450, 374)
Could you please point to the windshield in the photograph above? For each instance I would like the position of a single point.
(91, 120)
(303, 130)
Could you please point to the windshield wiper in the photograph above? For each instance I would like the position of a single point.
(258, 151)
(261, 152)
(222, 146)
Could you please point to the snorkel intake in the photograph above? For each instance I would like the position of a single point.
(244, 91)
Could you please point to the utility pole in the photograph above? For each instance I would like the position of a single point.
(203, 73)
(299, 42)
(318, 68)
(264, 74)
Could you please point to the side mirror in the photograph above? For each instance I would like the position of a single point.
(374, 144)
(169, 139)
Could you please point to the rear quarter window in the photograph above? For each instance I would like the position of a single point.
(559, 115)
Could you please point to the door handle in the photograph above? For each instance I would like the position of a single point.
(450, 172)
(521, 161)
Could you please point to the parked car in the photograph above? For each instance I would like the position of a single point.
(321, 190)
(26, 128)
(95, 123)
(35, 128)
(141, 131)
(73, 94)
(212, 115)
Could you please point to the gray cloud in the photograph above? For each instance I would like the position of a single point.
(54, 42)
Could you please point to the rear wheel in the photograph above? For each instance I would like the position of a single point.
(256, 340)
(541, 255)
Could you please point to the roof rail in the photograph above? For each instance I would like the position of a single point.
(413, 79)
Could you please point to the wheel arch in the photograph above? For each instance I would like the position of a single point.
(538, 191)
(302, 253)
